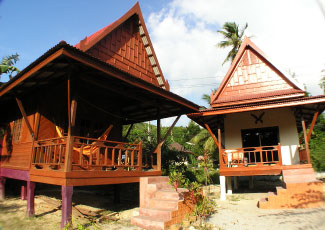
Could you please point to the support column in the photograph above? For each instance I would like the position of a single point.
(229, 185)
(222, 187)
(23, 191)
(251, 182)
(66, 192)
(30, 198)
(2, 188)
(236, 183)
(117, 199)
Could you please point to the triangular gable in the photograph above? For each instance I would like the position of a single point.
(252, 76)
(126, 44)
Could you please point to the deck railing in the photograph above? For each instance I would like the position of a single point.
(87, 154)
(252, 156)
(49, 153)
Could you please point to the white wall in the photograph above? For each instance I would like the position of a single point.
(283, 118)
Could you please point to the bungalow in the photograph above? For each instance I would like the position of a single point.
(255, 118)
(63, 114)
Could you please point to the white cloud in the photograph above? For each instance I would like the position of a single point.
(291, 33)
(184, 34)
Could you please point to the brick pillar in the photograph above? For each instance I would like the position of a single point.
(30, 198)
(66, 192)
(23, 191)
(2, 188)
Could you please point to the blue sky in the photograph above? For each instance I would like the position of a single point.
(291, 33)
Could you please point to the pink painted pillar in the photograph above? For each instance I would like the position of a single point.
(66, 192)
(2, 188)
(23, 191)
(30, 198)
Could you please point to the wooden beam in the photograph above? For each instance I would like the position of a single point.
(212, 135)
(306, 141)
(312, 125)
(158, 130)
(73, 112)
(23, 113)
(36, 125)
(128, 132)
(170, 129)
(69, 148)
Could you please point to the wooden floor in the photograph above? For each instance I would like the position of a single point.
(259, 170)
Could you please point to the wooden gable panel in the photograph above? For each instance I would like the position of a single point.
(46, 129)
(253, 76)
(124, 48)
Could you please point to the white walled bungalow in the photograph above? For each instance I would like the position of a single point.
(255, 118)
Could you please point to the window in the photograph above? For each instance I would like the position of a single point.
(260, 137)
(16, 130)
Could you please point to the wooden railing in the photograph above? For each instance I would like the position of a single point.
(252, 156)
(87, 154)
(49, 153)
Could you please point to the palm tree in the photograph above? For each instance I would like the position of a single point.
(207, 98)
(233, 37)
(7, 65)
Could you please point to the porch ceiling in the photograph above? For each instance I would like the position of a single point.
(98, 87)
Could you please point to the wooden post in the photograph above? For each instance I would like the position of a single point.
(312, 125)
(306, 140)
(117, 198)
(23, 191)
(221, 163)
(23, 113)
(30, 198)
(2, 188)
(66, 192)
(158, 131)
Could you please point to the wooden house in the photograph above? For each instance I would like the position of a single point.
(255, 118)
(63, 114)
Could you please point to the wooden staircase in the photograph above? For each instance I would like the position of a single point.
(160, 205)
(300, 189)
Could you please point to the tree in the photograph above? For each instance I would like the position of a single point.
(7, 65)
(233, 37)
(207, 98)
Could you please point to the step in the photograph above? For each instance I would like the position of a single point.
(303, 171)
(263, 203)
(164, 214)
(280, 191)
(158, 179)
(168, 195)
(299, 178)
(159, 186)
(159, 203)
(148, 222)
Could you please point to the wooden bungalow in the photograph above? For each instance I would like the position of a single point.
(63, 114)
(255, 118)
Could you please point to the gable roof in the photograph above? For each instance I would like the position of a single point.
(126, 44)
(252, 76)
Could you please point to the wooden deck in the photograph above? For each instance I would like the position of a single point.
(92, 162)
(260, 170)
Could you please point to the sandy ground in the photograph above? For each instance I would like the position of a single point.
(239, 211)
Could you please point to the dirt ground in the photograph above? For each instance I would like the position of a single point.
(94, 209)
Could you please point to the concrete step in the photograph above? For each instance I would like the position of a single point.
(303, 171)
(158, 179)
(280, 191)
(168, 195)
(262, 203)
(159, 186)
(163, 214)
(299, 178)
(148, 222)
(159, 203)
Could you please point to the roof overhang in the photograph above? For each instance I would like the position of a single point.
(138, 100)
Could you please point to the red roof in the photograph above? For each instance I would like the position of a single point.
(252, 76)
(126, 44)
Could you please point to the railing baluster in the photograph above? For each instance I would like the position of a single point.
(119, 157)
(113, 156)
(132, 157)
(80, 155)
(105, 160)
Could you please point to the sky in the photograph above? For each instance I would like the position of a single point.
(184, 34)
